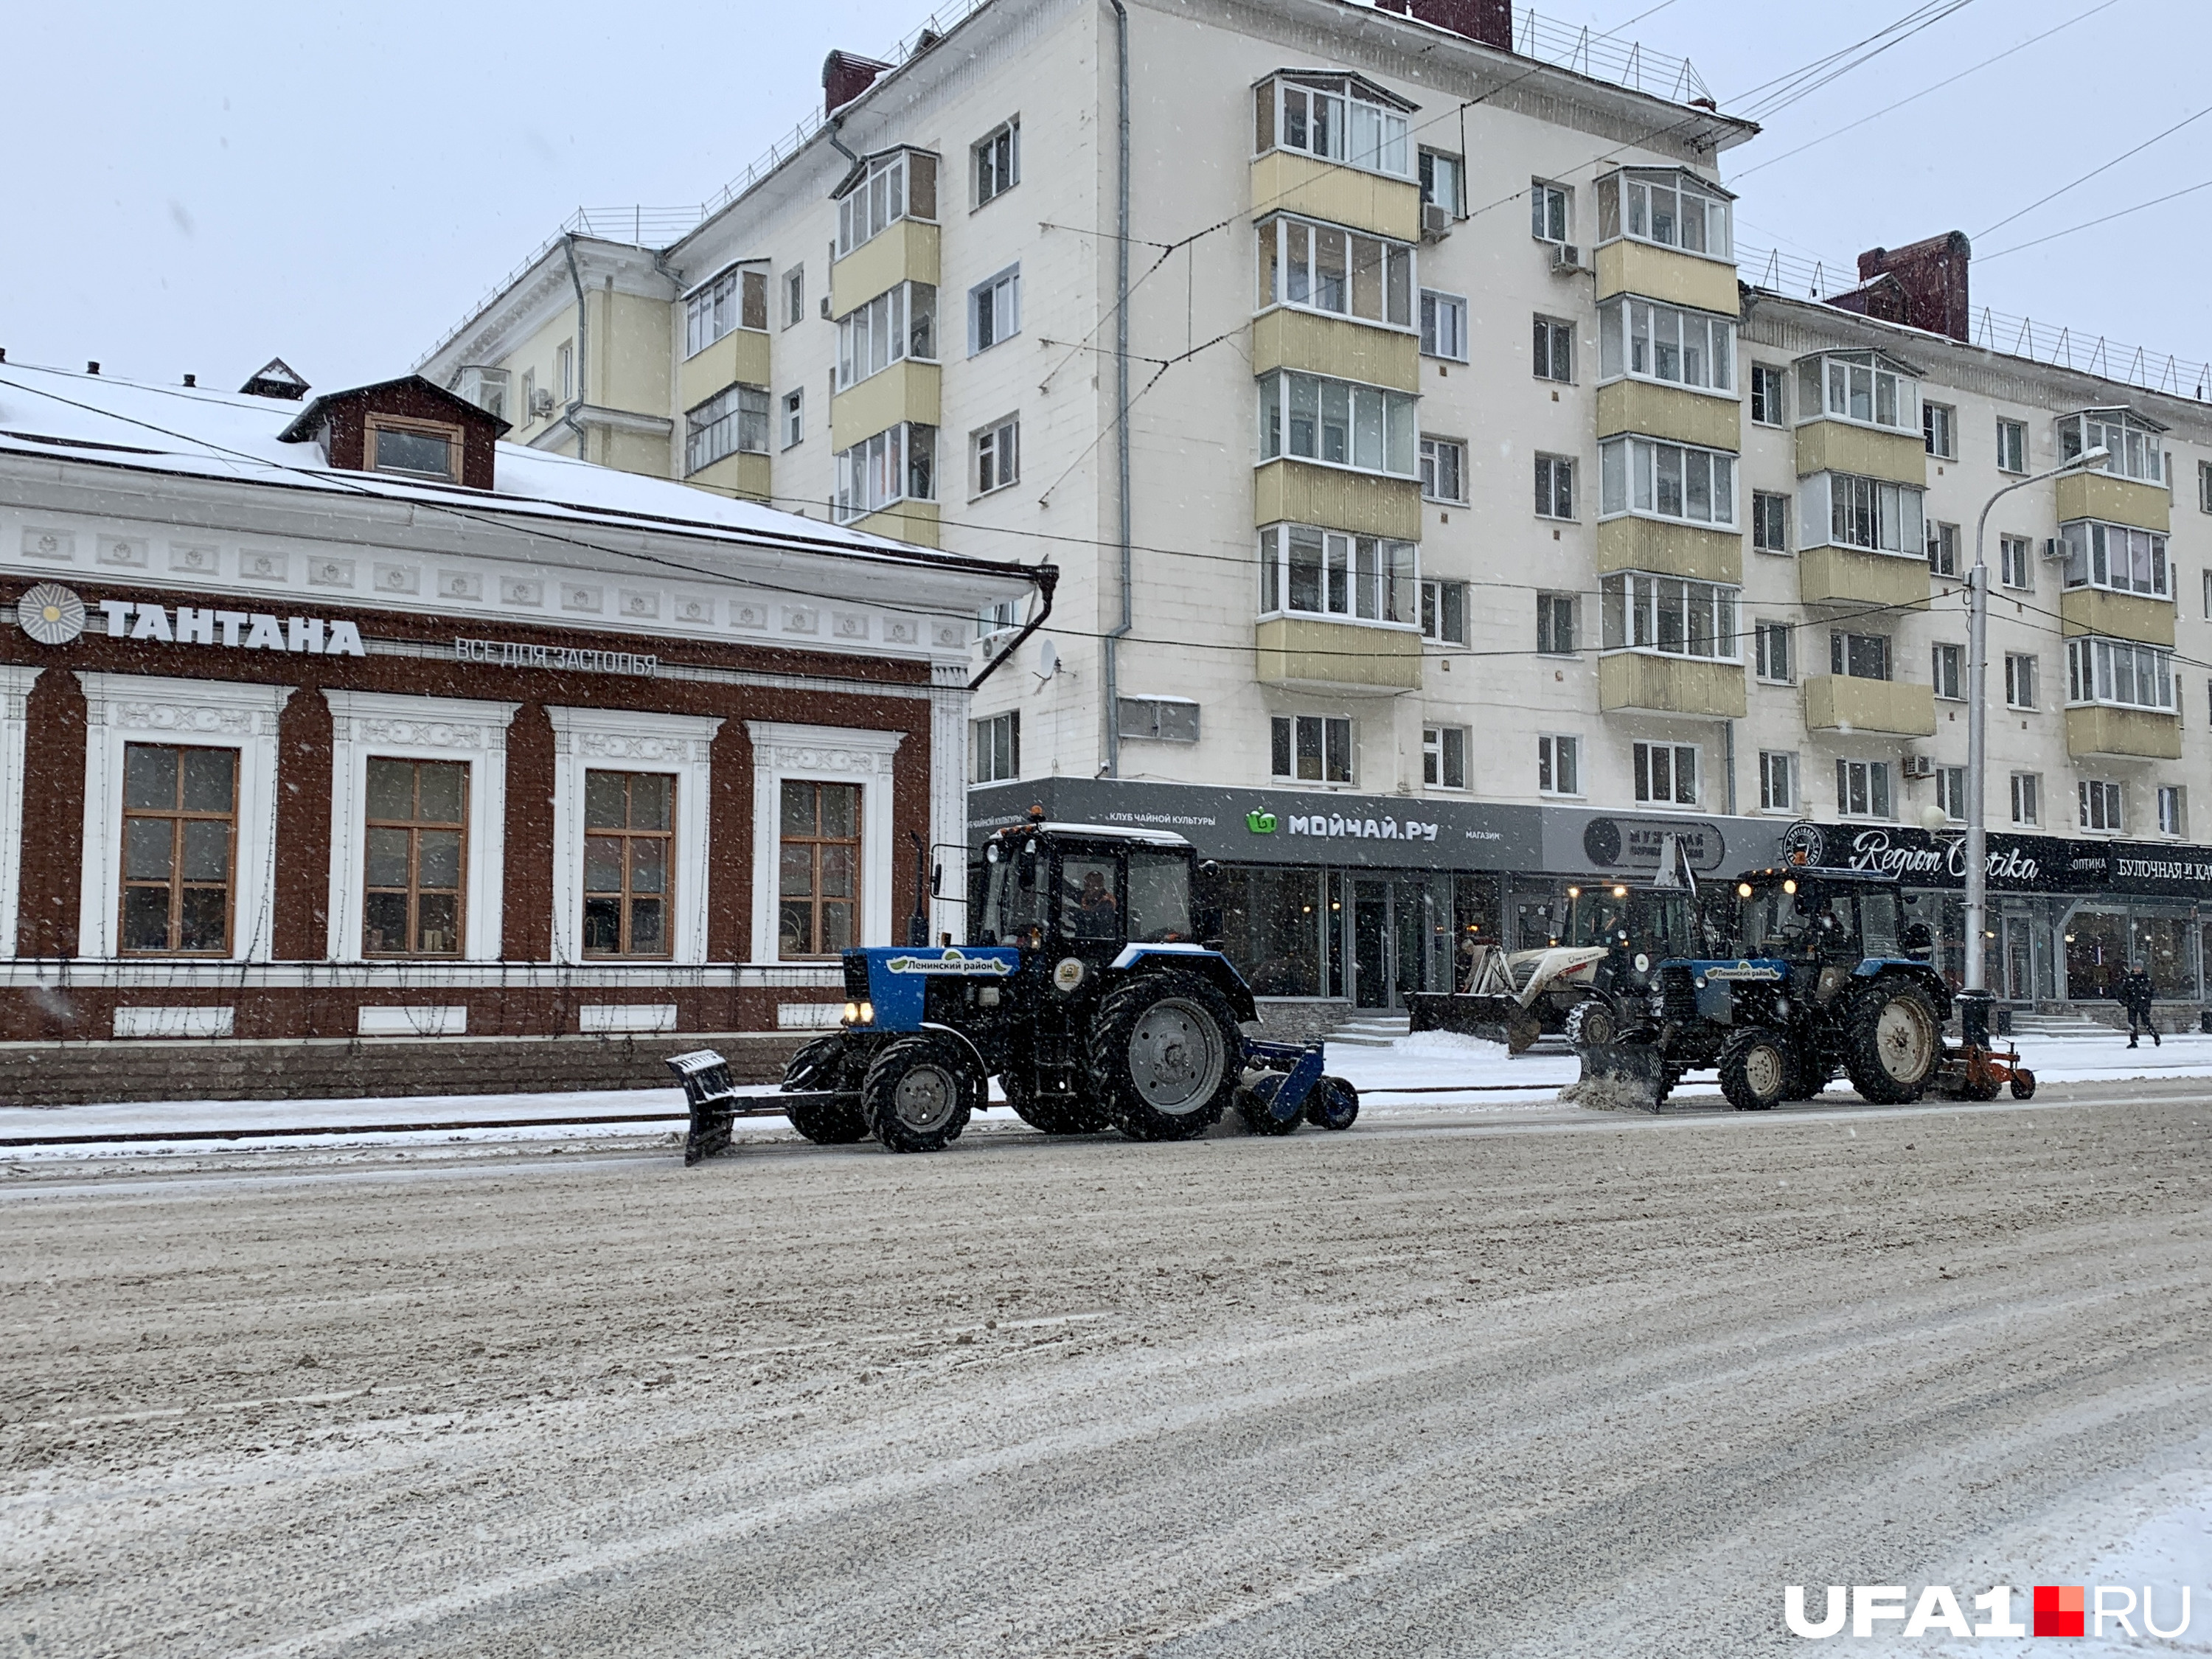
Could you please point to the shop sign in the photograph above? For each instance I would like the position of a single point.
(2027, 864)
(1336, 826)
(504, 653)
(236, 630)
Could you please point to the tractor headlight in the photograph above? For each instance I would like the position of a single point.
(867, 1013)
(860, 1013)
(852, 1013)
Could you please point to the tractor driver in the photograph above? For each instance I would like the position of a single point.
(1096, 916)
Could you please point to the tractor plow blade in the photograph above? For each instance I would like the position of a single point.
(1618, 1076)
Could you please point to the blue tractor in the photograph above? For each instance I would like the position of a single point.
(1082, 988)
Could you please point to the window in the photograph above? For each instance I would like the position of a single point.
(530, 394)
(1555, 486)
(1777, 782)
(1551, 212)
(794, 417)
(2027, 799)
(1444, 468)
(1949, 670)
(1327, 573)
(998, 618)
(417, 816)
(2019, 680)
(179, 833)
(1943, 550)
(998, 455)
(629, 844)
(1558, 765)
(1443, 757)
(1555, 350)
(2016, 562)
(898, 323)
(1443, 327)
(1871, 514)
(1951, 791)
(2132, 440)
(1666, 343)
(1672, 208)
(1159, 719)
(2204, 486)
(1770, 522)
(1443, 182)
(1859, 656)
(900, 185)
(1863, 387)
(736, 299)
(1337, 118)
(898, 463)
(1666, 773)
(996, 744)
(1665, 481)
(2119, 673)
(2115, 556)
(998, 161)
(818, 869)
(1772, 643)
(1669, 615)
(1938, 430)
(795, 295)
(2100, 806)
(421, 449)
(1312, 748)
(734, 420)
(1557, 636)
(2012, 446)
(1444, 612)
(2172, 810)
(564, 370)
(1340, 272)
(1769, 401)
(1336, 423)
(1862, 789)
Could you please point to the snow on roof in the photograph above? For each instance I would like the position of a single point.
(201, 433)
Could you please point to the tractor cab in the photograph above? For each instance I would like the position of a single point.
(1084, 890)
(1829, 917)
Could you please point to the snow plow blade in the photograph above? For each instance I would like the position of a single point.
(1494, 1019)
(1619, 1076)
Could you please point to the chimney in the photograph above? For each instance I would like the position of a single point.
(1490, 22)
(276, 379)
(1922, 286)
(845, 77)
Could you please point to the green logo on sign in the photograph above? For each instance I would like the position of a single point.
(1260, 823)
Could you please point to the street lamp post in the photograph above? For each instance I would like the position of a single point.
(1978, 655)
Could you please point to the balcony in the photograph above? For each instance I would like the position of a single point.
(1636, 682)
(902, 253)
(740, 355)
(744, 475)
(1284, 181)
(1664, 273)
(1313, 654)
(1841, 702)
(2116, 615)
(2115, 500)
(1847, 575)
(904, 521)
(1839, 446)
(906, 391)
(2127, 733)
(1298, 492)
(1287, 338)
(1670, 549)
(1670, 411)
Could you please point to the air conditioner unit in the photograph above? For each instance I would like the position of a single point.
(1565, 256)
(825, 307)
(1917, 766)
(1436, 222)
(2053, 548)
(540, 403)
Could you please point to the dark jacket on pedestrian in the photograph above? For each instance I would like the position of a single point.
(2134, 991)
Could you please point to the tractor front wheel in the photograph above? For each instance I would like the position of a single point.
(918, 1093)
(1164, 1055)
(1893, 1042)
(824, 1064)
(1592, 1021)
(1755, 1070)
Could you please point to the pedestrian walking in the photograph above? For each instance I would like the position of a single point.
(2135, 992)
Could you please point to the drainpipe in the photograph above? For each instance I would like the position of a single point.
(1728, 744)
(1116, 634)
(583, 347)
(835, 125)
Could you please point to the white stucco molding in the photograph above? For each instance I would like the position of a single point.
(386, 724)
(833, 754)
(16, 682)
(124, 708)
(625, 740)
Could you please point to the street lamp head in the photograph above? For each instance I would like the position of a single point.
(1932, 817)
(2089, 457)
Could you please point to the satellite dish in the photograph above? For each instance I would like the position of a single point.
(1047, 660)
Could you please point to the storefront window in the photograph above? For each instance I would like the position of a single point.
(2096, 953)
(2163, 947)
(418, 816)
(628, 840)
(179, 823)
(1272, 929)
(818, 882)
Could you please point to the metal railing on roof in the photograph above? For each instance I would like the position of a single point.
(1602, 58)
(2055, 345)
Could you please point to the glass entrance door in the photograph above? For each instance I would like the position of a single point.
(1373, 945)
(1401, 932)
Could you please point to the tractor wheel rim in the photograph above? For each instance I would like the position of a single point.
(1763, 1070)
(1176, 1058)
(1597, 1026)
(925, 1097)
(1903, 1039)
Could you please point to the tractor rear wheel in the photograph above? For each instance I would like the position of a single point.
(1164, 1055)
(824, 1063)
(918, 1093)
(1893, 1042)
(1755, 1070)
(1051, 1114)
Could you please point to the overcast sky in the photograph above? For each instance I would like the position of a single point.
(194, 189)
